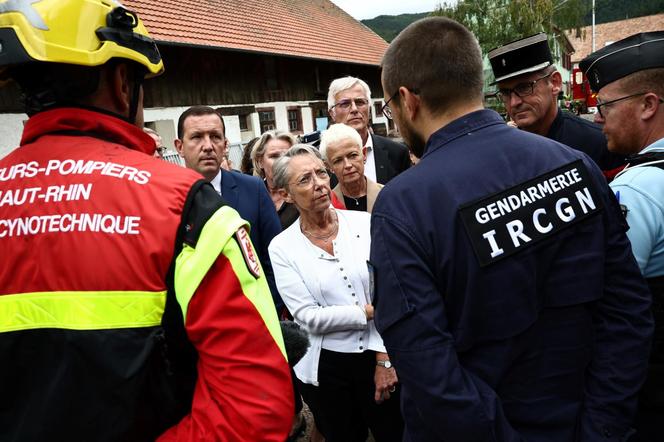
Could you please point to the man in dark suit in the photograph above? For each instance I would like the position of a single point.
(202, 143)
(349, 102)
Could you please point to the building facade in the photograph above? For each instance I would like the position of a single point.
(264, 65)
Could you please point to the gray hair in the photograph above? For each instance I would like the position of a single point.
(337, 133)
(280, 170)
(150, 131)
(258, 150)
(342, 84)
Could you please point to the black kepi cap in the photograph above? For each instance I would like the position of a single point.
(520, 57)
(632, 54)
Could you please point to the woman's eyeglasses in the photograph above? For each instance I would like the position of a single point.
(307, 180)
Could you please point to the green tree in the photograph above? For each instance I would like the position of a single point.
(612, 10)
(496, 22)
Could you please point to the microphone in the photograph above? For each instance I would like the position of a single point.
(296, 341)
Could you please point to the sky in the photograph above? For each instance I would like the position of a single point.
(363, 9)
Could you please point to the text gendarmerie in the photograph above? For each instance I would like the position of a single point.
(502, 224)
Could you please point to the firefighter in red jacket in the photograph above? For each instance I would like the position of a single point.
(132, 305)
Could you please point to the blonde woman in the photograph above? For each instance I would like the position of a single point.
(270, 146)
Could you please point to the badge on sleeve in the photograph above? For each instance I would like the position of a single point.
(515, 219)
(623, 208)
(250, 258)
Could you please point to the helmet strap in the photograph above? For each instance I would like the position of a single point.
(137, 77)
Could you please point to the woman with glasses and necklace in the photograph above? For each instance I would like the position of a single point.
(341, 148)
(321, 269)
(265, 151)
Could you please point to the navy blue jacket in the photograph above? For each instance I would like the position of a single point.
(248, 195)
(586, 136)
(506, 291)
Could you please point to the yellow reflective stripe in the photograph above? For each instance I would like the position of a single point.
(216, 238)
(81, 310)
(192, 264)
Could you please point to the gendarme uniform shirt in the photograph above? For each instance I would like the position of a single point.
(640, 190)
(506, 293)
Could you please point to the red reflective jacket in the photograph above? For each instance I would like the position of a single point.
(88, 228)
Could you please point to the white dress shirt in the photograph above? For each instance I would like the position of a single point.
(370, 165)
(216, 182)
(326, 294)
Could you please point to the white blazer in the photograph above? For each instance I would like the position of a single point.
(296, 276)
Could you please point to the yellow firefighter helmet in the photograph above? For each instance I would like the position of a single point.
(78, 32)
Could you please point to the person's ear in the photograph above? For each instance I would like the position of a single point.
(285, 195)
(556, 83)
(178, 146)
(364, 154)
(410, 103)
(121, 90)
(650, 105)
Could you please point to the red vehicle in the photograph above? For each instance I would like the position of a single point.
(581, 92)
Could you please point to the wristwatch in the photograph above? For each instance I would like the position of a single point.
(386, 363)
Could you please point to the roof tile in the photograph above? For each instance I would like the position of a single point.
(611, 32)
(303, 28)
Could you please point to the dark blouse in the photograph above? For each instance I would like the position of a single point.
(359, 204)
(287, 214)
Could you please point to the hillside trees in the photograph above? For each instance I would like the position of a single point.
(496, 22)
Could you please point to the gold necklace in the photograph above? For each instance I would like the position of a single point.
(325, 238)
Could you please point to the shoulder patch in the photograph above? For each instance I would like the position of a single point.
(250, 258)
(504, 223)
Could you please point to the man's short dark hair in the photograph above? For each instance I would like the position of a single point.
(198, 111)
(439, 59)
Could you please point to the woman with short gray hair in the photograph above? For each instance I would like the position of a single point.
(280, 174)
(320, 266)
(341, 147)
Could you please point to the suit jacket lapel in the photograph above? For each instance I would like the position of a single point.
(229, 189)
(381, 160)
